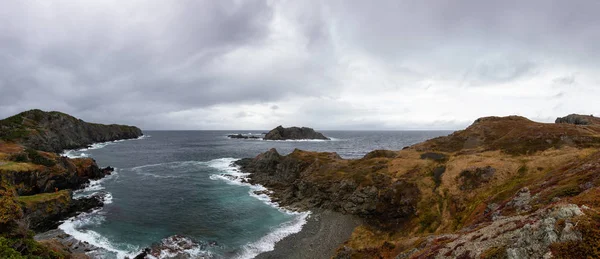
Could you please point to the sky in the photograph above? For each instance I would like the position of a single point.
(337, 65)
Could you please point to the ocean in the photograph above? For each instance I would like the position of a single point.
(170, 183)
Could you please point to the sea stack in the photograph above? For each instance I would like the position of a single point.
(293, 133)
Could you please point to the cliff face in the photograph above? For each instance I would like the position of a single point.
(55, 131)
(281, 133)
(505, 187)
(36, 182)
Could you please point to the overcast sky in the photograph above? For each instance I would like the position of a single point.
(324, 64)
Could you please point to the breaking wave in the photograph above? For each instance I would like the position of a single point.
(233, 175)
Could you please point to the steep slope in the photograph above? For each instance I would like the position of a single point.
(505, 187)
(56, 131)
(36, 183)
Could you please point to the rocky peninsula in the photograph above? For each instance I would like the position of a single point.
(293, 133)
(505, 187)
(36, 183)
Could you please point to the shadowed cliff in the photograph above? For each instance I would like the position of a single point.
(56, 131)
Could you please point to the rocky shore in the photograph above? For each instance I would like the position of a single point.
(36, 183)
(322, 234)
(505, 187)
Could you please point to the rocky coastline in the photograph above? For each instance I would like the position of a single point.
(37, 184)
(505, 187)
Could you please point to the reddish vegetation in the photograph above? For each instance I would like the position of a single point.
(482, 185)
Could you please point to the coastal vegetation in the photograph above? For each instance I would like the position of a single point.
(36, 182)
(505, 187)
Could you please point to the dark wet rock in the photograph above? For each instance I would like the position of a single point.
(438, 157)
(177, 246)
(44, 180)
(47, 211)
(575, 119)
(474, 177)
(437, 175)
(292, 180)
(281, 133)
(381, 154)
(240, 136)
(56, 131)
(66, 242)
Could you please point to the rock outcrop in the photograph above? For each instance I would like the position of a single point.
(44, 211)
(56, 131)
(36, 183)
(578, 119)
(301, 181)
(505, 187)
(281, 133)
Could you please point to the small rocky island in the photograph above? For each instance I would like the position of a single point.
(293, 133)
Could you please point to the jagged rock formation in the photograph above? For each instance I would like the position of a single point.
(505, 187)
(56, 131)
(578, 119)
(301, 181)
(281, 133)
(45, 211)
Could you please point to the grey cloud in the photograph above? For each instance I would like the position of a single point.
(565, 80)
(141, 61)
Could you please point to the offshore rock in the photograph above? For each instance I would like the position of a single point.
(281, 133)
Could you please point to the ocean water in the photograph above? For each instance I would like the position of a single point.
(170, 183)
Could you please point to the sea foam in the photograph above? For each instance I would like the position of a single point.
(233, 175)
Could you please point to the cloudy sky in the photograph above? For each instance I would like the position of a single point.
(236, 64)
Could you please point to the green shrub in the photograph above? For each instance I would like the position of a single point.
(38, 159)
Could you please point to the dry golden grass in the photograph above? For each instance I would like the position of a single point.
(10, 148)
(63, 196)
(19, 167)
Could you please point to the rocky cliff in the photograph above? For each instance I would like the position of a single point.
(56, 131)
(505, 187)
(36, 183)
(281, 133)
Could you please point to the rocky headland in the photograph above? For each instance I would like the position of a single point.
(56, 131)
(505, 187)
(293, 133)
(36, 183)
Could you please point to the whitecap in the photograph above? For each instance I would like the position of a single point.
(175, 164)
(94, 186)
(76, 228)
(234, 176)
(267, 242)
(79, 153)
(146, 174)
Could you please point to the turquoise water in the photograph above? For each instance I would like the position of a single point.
(169, 183)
